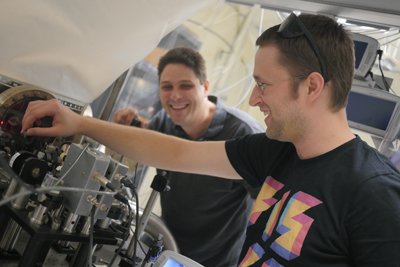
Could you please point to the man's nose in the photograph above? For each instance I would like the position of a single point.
(176, 93)
(254, 96)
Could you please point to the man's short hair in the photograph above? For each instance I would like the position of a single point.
(335, 47)
(186, 56)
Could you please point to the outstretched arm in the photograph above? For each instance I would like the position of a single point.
(145, 146)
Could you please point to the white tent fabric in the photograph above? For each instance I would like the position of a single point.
(78, 48)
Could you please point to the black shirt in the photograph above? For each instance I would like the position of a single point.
(341, 208)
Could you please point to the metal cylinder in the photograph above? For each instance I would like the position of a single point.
(37, 215)
(104, 224)
(56, 223)
(50, 180)
(70, 223)
(20, 202)
(12, 188)
(86, 227)
(56, 218)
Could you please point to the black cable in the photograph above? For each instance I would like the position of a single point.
(141, 247)
(385, 83)
(135, 235)
(373, 79)
(91, 230)
(124, 237)
(135, 174)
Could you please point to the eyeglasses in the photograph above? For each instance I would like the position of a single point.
(292, 27)
(262, 86)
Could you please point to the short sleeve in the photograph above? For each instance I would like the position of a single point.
(255, 156)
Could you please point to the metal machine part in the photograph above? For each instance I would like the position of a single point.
(80, 166)
(19, 150)
(13, 103)
(115, 172)
(50, 188)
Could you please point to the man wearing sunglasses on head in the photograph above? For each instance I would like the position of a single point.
(327, 198)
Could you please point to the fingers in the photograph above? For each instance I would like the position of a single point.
(31, 115)
(42, 131)
(35, 111)
(125, 116)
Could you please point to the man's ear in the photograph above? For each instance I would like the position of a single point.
(315, 85)
(206, 88)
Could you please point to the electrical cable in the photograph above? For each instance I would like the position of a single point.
(371, 74)
(141, 247)
(74, 189)
(124, 238)
(135, 182)
(116, 195)
(139, 243)
(53, 188)
(131, 185)
(128, 183)
(91, 230)
(31, 190)
(136, 196)
(385, 83)
(73, 164)
(135, 235)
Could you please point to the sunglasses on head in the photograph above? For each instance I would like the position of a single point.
(292, 27)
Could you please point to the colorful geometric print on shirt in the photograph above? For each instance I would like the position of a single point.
(286, 218)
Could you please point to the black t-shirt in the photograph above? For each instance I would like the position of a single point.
(341, 208)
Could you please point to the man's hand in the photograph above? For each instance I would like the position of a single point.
(130, 116)
(65, 121)
(125, 116)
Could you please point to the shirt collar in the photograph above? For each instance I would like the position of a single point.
(217, 122)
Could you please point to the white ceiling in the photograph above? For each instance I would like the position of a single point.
(383, 12)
